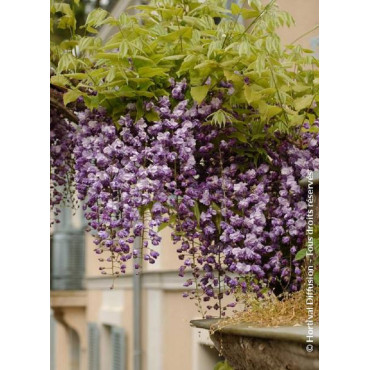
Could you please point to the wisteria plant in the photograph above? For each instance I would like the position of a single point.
(188, 118)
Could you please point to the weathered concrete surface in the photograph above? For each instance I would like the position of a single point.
(244, 353)
(251, 348)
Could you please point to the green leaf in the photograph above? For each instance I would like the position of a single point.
(218, 218)
(147, 94)
(220, 117)
(170, 222)
(210, 64)
(268, 111)
(268, 91)
(240, 136)
(217, 221)
(198, 93)
(316, 245)
(299, 88)
(123, 48)
(66, 62)
(316, 278)
(300, 255)
(60, 80)
(174, 57)
(66, 22)
(237, 80)
(96, 18)
(216, 207)
(251, 95)
(139, 109)
(85, 43)
(296, 120)
(63, 8)
(91, 101)
(244, 48)
(222, 366)
(235, 9)
(162, 226)
(303, 102)
(316, 231)
(123, 19)
(255, 4)
(311, 118)
(196, 212)
(71, 96)
(91, 29)
(152, 116)
(111, 75)
(188, 63)
(249, 13)
(213, 46)
(161, 92)
(260, 63)
(151, 72)
(184, 33)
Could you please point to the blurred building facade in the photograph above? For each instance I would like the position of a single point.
(94, 327)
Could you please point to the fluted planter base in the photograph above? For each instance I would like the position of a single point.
(251, 348)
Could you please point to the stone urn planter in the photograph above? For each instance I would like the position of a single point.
(269, 348)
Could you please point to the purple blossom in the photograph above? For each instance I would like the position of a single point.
(232, 216)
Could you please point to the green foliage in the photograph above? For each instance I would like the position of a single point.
(199, 93)
(316, 278)
(223, 365)
(220, 117)
(301, 254)
(175, 38)
(70, 96)
(67, 19)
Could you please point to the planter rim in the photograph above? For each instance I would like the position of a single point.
(315, 180)
(288, 333)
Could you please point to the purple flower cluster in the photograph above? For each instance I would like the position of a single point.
(61, 162)
(120, 175)
(251, 221)
(237, 225)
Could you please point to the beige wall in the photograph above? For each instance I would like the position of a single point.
(306, 15)
(70, 319)
(177, 333)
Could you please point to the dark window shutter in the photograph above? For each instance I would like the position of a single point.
(93, 346)
(68, 260)
(118, 349)
(68, 254)
(76, 257)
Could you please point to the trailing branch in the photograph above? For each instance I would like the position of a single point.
(63, 109)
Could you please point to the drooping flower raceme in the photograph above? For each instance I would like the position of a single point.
(61, 161)
(237, 225)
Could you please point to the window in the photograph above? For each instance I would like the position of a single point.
(118, 348)
(67, 253)
(113, 347)
(93, 346)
